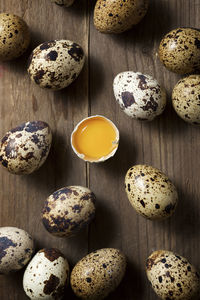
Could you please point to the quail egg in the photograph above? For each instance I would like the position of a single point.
(116, 16)
(179, 50)
(68, 210)
(150, 192)
(140, 96)
(98, 273)
(46, 276)
(172, 277)
(186, 99)
(56, 64)
(16, 249)
(25, 148)
(15, 36)
(66, 3)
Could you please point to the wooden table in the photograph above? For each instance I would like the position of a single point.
(167, 143)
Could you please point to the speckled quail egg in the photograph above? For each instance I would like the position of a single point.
(98, 273)
(68, 210)
(186, 99)
(150, 192)
(179, 50)
(116, 16)
(15, 36)
(25, 148)
(46, 276)
(56, 64)
(65, 3)
(16, 249)
(172, 277)
(140, 96)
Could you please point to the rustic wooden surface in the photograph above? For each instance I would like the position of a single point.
(167, 143)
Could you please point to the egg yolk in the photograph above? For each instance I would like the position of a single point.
(95, 138)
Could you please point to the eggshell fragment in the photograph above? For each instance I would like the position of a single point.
(56, 64)
(172, 277)
(140, 96)
(186, 99)
(116, 16)
(16, 249)
(46, 275)
(25, 148)
(68, 210)
(179, 50)
(150, 192)
(98, 273)
(15, 36)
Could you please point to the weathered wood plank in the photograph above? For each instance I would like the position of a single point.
(167, 143)
(22, 197)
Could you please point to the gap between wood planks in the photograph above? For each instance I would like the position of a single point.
(87, 166)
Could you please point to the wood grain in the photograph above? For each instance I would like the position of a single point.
(167, 143)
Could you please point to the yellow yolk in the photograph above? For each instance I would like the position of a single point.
(95, 137)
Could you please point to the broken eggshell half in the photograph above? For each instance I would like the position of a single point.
(95, 139)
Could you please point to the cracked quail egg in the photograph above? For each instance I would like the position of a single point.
(116, 16)
(56, 64)
(98, 273)
(186, 99)
(25, 148)
(140, 96)
(150, 192)
(95, 139)
(16, 249)
(65, 3)
(179, 50)
(46, 276)
(68, 210)
(15, 36)
(172, 277)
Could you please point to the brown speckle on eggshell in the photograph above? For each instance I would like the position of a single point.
(179, 50)
(150, 192)
(14, 36)
(98, 273)
(51, 254)
(172, 277)
(68, 210)
(56, 64)
(186, 99)
(116, 16)
(25, 148)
